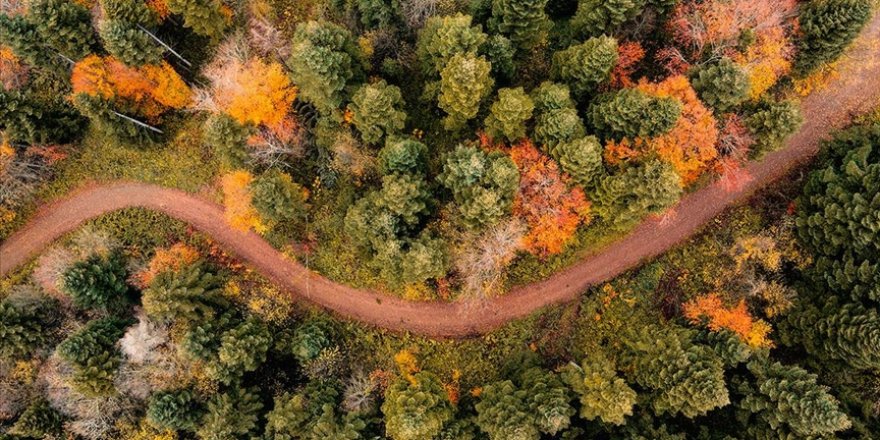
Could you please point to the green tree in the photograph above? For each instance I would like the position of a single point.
(376, 111)
(127, 11)
(416, 409)
(624, 199)
(444, 37)
(93, 354)
(847, 332)
(64, 25)
(202, 338)
(20, 35)
(191, 294)
(231, 415)
(723, 85)
(789, 396)
(403, 155)
(228, 139)
(523, 21)
(370, 225)
(107, 121)
(204, 17)
(483, 184)
(98, 282)
(24, 319)
(602, 393)
(581, 159)
(552, 96)
(631, 113)
(684, 378)
(509, 114)
(839, 214)
(587, 65)
(424, 259)
(278, 198)
(309, 340)
(304, 415)
(129, 44)
(323, 59)
(827, 27)
(175, 410)
(39, 420)
(331, 426)
(558, 125)
(464, 83)
(243, 349)
(503, 413)
(378, 13)
(24, 118)
(499, 50)
(771, 124)
(597, 17)
(547, 400)
(406, 196)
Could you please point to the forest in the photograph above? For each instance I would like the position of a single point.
(439, 153)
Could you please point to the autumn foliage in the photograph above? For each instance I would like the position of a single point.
(767, 60)
(174, 258)
(257, 92)
(150, 89)
(629, 55)
(551, 209)
(710, 310)
(237, 197)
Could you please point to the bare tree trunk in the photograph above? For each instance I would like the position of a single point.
(167, 47)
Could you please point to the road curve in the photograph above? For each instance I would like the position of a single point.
(855, 91)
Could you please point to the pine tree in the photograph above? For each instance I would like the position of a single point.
(112, 123)
(503, 413)
(788, 396)
(24, 318)
(557, 119)
(64, 25)
(243, 349)
(464, 83)
(631, 113)
(581, 159)
(99, 282)
(378, 13)
(547, 400)
(406, 196)
(228, 139)
(523, 21)
(24, 118)
(376, 111)
(323, 59)
(93, 354)
(416, 409)
(304, 415)
(624, 199)
(278, 198)
(846, 332)
(722, 85)
(204, 17)
(597, 17)
(587, 65)
(126, 11)
(771, 124)
(509, 114)
(444, 37)
(827, 27)
(39, 420)
(402, 155)
(191, 294)
(552, 96)
(230, 415)
(483, 185)
(309, 340)
(174, 410)
(128, 44)
(17, 33)
(499, 50)
(603, 395)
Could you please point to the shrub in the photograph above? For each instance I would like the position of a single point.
(231, 414)
(523, 21)
(444, 37)
(99, 282)
(279, 199)
(624, 199)
(771, 124)
(93, 354)
(191, 294)
(602, 394)
(323, 59)
(402, 155)
(826, 28)
(587, 65)
(483, 185)
(722, 85)
(464, 83)
(416, 409)
(631, 113)
(376, 112)
(509, 114)
(174, 410)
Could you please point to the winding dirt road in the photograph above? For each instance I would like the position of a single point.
(855, 91)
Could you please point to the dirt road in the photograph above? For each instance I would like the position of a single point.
(855, 91)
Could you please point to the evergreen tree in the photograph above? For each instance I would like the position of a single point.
(204, 17)
(547, 400)
(847, 332)
(243, 349)
(631, 113)
(405, 196)
(202, 338)
(503, 413)
(128, 44)
(26, 119)
(64, 25)
(175, 410)
(499, 50)
(729, 347)
(39, 420)
(323, 59)
(523, 21)
(464, 83)
(278, 198)
(581, 159)
(127, 11)
(483, 184)
(552, 96)
(827, 27)
(839, 214)
(788, 396)
(378, 13)
(722, 85)
(331, 426)
(597, 17)
(109, 122)
(93, 354)
(376, 111)
(228, 139)
(558, 125)
(509, 114)
(444, 37)
(416, 409)
(771, 124)
(424, 259)
(624, 199)
(587, 65)
(24, 318)
(402, 155)
(191, 294)
(309, 414)
(309, 340)
(20, 35)
(231, 415)
(98, 282)
(602, 394)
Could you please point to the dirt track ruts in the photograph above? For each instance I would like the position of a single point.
(855, 91)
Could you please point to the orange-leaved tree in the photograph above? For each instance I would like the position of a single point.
(149, 90)
(690, 145)
(550, 208)
(238, 199)
(174, 258)
(709, 310)
(628, 56)
(766, 60)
